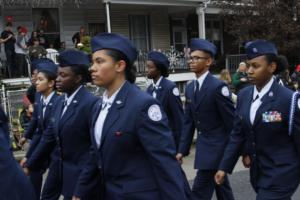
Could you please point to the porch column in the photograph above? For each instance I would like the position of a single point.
(108, 17)
(200, 10)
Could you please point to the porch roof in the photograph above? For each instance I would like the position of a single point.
(190, 3)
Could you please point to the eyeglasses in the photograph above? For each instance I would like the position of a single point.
(196, 58)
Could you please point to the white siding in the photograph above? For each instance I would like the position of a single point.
(22, 16)
(73, 17)
(160, 30)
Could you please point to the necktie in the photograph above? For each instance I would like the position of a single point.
(253, 108)
(197, 86)
(43, 104)
(154, 91)
(197, 92)
(43, 107)
(253, 100)
(65, 105)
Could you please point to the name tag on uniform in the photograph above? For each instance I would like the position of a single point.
(271, 116)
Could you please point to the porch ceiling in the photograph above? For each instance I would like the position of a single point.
(192, 3)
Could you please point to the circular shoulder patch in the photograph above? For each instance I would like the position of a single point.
(154, 113)
(299, 103)
(225, 91)
(175, 91)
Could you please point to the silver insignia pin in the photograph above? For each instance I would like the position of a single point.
(270, 94)
(118, 102)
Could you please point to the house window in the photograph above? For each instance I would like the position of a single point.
(139, 31)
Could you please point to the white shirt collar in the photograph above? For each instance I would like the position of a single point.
(47, 100)
(70, 98)
(264, 90)
(156, 85)
(202, 78)
(110, 100)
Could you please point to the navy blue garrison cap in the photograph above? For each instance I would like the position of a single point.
(114, 41)
(69, 58)
(259, 47)
(159, 58)
(203, 45)
(48, 68)
(35, 62)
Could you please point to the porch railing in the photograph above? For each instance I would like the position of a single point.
(178, 61)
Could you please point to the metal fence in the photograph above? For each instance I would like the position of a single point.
(233, 61)
(14, 104)
(12, 92)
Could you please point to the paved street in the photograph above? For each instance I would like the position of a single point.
(239, 179)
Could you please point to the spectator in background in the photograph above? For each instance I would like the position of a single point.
(43, 39)
(21, 51)
(77, 37)
(239, 79)
(283, 78)
(36, 50)
(225, 76)
(34, 35)
(296, 78)
(8, 38)
(51, 46)
(62, 47)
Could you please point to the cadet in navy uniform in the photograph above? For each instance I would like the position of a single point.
(35, 97)
(210, 110)
(69, 129)
(14, 185)
(45, 85)
(132, 146)
(262, 124)
(165, 91)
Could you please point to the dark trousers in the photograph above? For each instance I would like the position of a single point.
(52, 186)
(21, 65)
(275, 194)
(10, 62)
(36, 178)
(204, 186)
